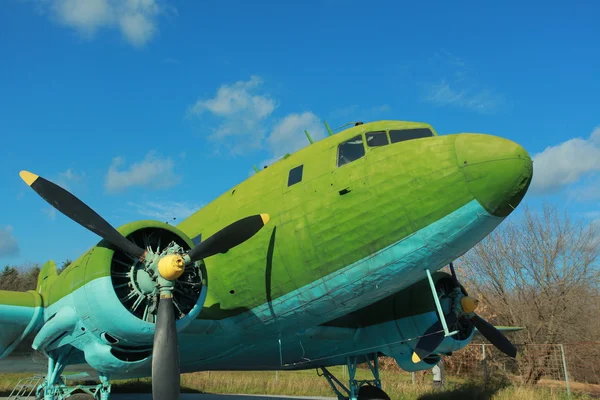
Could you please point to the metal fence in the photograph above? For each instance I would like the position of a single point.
(572, 367)
(557, 365)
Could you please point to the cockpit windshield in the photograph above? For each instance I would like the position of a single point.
(350, 150)
(408, 134)
(375, 139)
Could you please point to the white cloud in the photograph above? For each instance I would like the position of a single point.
(154, 172)
(8, 243)
(243, 112)
(136, 19)
(68, 177)
(233, 99)
(165, 211)
(50, 212)
(565, 163)
(444, 94)
(246, 120)
(288, 134)
(595, 135)
(456, 86)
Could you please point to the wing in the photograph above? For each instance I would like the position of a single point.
(509, 329)
(20, 317)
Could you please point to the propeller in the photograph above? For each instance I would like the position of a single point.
(165, 359)
(434, 335)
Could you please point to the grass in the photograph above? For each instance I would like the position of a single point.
(306, 383)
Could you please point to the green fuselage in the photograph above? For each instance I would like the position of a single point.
(393, 191)
(333, 205)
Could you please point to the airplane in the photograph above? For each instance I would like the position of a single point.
(329, 256)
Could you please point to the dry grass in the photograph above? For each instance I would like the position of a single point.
(306, 383)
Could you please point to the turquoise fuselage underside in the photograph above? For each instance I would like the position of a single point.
(286, 333)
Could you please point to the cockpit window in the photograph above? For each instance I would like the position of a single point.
(375, 139)
(350, 150)
(408, 134)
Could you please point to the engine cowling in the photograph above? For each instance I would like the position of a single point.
(129, 299)
(111, 312)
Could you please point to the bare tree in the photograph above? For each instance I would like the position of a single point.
(540, 272)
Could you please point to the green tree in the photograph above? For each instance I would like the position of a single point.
(64, 265)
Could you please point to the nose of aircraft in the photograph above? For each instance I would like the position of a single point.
(498, 171)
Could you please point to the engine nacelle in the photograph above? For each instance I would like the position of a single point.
(111, 312)
(414, 312)
(400, 319)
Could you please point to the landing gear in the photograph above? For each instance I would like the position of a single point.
(358, 389)
(54, 388)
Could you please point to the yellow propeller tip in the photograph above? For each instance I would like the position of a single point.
(415, 358)
(265, 218)
(28, 177)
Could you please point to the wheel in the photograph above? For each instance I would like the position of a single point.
(369, 392)
(81, 396)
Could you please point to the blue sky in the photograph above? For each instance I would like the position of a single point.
(149, 109)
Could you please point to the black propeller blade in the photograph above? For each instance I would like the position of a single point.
(229, 237)
(494, 336)
(165, 353)
(79, 212)
(431, 339)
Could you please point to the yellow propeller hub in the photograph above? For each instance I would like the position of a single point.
(171, 266)
(469, 304)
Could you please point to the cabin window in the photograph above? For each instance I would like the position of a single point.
(350, 150)
(295, 175)
(375, 139)
(408, 134)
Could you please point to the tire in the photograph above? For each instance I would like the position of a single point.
(81, 396)
(369, 392)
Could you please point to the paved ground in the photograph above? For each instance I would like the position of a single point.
(193, 396)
